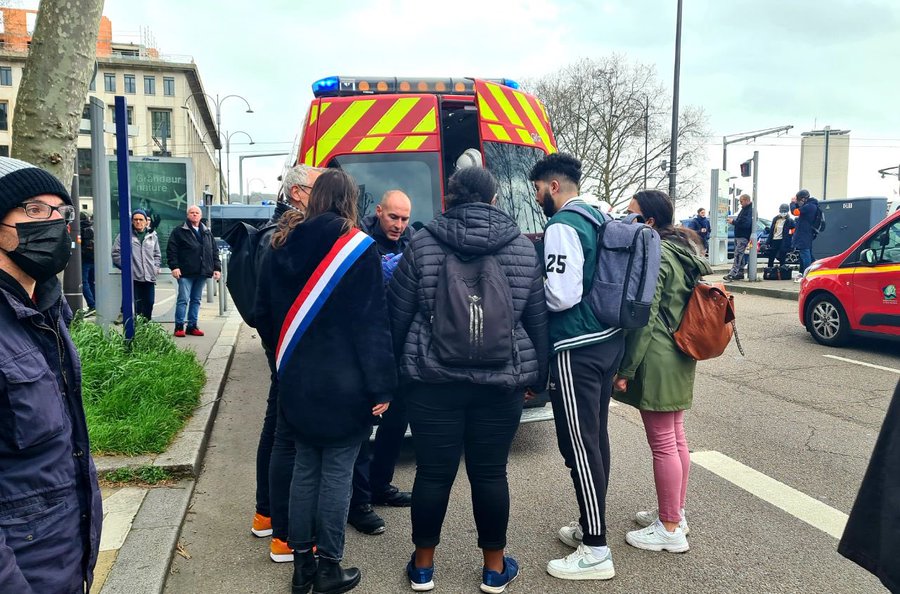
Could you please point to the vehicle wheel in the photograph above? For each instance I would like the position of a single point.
(826, 321)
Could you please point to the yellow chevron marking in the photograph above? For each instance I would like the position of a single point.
(412, 143)
(428, 123)
(397, 112)
(340, 127)
(487, 114)
(313, 115)
(499, 132)
(505, 105)
(368, 144)
(533, 118)
(855, 270)
(308, 159)
(525, 135)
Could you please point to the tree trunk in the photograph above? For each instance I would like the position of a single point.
(54, 85)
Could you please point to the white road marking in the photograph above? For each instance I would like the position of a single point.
(120, 508)
(844, 359)
(798, 504)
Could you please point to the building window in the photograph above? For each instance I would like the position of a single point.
(161, 123)
(130, 85)
(149, 85)
(130, 111)
(85, 171)
(4, 150)
(109, 82)
(168, 86)
(4, 115)
(85, 115)
(5, 76)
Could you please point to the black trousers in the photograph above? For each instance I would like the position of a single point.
(580, 390)
(777, 250)
(144, 296)
(447, 420)
(388, 443)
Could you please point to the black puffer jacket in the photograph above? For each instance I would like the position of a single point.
(469, 229)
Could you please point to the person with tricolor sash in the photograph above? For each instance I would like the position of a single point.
(324, 307)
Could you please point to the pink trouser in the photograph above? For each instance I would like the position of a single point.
(671, 460)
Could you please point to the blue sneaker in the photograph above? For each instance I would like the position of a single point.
(420, 579)
(495, 583)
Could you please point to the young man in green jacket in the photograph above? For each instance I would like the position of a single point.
(586, 355)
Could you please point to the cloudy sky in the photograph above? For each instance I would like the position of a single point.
(750, 64)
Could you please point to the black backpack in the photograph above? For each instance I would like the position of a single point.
(818, 222)
(241, 279)
(473, 319)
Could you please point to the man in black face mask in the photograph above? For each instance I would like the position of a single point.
(50, 514)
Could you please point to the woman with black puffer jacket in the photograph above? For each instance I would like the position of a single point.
(469, 324)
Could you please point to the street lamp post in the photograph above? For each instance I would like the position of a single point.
(217, 101)
(673, 154)
(228, 155)
(250, 182)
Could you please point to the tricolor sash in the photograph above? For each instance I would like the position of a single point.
(345, 251)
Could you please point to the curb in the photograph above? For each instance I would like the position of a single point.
(142, 564)
(185, 454)
(749, 289)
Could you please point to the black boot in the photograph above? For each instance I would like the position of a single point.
(304, 572)
(332, 579)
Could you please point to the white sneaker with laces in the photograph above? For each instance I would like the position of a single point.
(582, 565)
(571, 535)
(646, 518)
(655, 537)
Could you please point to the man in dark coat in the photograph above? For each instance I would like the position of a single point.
(700, 224)
(743, 230)
(50, 513)
(872, 536)
(805, 208)
(193, 257)
(389, 226)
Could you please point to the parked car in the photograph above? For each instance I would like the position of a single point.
(762, 235)
(855, 292)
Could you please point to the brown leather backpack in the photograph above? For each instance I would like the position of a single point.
(708, 322)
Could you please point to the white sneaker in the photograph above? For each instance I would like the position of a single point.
(656, 538)
(582, 565)
(646, 518)
(571, 535)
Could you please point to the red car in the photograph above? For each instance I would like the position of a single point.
(855, 293)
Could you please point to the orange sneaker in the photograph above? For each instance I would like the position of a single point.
(280, 552)
(262, 526)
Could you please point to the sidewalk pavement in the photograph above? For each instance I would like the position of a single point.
(141, 525)
(786, 289)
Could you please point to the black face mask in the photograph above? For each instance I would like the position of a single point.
(44, 248)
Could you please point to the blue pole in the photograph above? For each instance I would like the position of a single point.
(124, 215)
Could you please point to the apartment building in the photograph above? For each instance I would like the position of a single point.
(168, 114)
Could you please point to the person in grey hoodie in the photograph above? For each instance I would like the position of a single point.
(146, 260)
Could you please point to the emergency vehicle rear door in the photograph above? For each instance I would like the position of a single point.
(511, 116)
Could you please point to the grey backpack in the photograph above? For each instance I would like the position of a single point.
(628, 256)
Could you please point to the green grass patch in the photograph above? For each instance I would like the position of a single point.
(136, 396)
(148, 475)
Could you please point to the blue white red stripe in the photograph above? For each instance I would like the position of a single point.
(346, 250)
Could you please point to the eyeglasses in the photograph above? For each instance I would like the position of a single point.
(41, 211)
(305, 188)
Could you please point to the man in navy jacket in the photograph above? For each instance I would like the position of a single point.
(743, 230)
(805, 208)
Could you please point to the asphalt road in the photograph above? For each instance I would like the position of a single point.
(785, 410)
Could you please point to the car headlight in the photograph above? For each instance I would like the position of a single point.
(813, 266)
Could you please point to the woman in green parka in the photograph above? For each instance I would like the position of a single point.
(658, 379)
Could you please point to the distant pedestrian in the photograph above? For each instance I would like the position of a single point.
(780, 236)
(805, 208)
(325, 303)
(743, 231)
(50, 510)
(146, 260)
(458, 401)
(658, 379)
(88, 287)
(700, 224)
(193, 257)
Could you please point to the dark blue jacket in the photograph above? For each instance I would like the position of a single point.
(344, 364)
(372, 226)
(697, 223)
(192, 255)
(803, 228)
(743, 223)
(50, 514)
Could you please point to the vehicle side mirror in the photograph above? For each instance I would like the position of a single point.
(868, 258)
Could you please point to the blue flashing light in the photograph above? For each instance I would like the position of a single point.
(511, 84)
(326, 85)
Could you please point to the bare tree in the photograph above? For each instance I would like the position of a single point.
(54, 84)
(597, 109)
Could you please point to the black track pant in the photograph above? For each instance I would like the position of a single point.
(580, 389)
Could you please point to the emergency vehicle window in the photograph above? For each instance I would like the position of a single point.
(886, 245)
(511, 164)
(417, 174)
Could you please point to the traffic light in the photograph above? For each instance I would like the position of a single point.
(746, 168)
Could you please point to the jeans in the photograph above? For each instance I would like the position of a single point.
(87, 283)
(671, 460)
(740, 246)
(144, 296)
(387, 445)
(320, 498)
(806, 258)
(448, 419)
(190, 288)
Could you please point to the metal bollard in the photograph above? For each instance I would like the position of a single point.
(210, 290)
(223, 306)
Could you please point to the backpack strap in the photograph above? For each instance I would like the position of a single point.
(588, 213)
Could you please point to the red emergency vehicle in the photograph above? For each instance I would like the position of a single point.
(855, 293)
